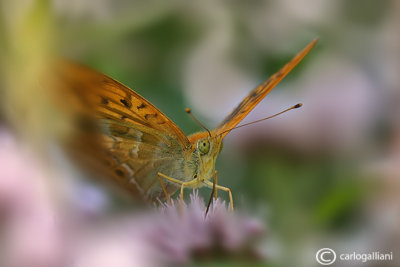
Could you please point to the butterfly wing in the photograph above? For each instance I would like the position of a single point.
(257, 94)
(137, 154)
(115, 101)
(130, 141)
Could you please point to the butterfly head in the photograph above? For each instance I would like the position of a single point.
(205, 149)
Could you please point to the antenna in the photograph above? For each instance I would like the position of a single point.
(188, 111)
(270, 117)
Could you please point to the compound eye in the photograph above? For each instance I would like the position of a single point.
(203, 146)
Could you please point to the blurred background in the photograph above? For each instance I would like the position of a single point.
(326, 175)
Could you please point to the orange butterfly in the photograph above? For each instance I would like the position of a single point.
(138, 146)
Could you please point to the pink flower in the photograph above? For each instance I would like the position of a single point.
(181, 233)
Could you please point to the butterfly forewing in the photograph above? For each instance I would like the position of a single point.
(116, 101)
(131, 139)
(258, 94)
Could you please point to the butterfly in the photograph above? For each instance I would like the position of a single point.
(128, 140)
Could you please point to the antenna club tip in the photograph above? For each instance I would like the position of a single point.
(298, 105)
(188, 110)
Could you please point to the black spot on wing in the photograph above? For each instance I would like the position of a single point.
(126, 103)
(104, 101)
(147, 116)
(253, 94)
(278, 74)
(143, 105)
(120, 173)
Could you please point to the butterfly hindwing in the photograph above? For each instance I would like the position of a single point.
(143, 152)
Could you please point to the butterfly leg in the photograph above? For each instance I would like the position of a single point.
(164, 189)
(226, 189)
(183, 184)
(187, 184)
(215, 182)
